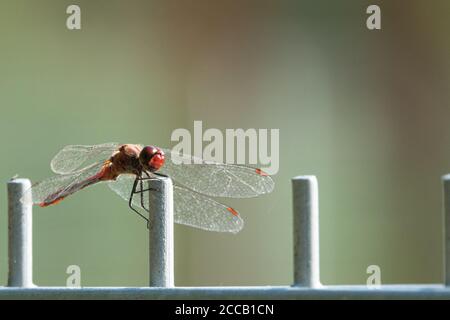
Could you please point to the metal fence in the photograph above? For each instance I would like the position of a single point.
(306, 258)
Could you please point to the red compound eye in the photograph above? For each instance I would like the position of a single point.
(151, 158)
(157, 161)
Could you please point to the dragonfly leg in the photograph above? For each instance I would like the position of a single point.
(147, 178)
(160, 174)
(148, 189)
(141, 182)
(142, 179)
(130, 202)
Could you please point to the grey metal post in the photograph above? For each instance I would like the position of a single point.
(306, 231)
(161, 233)
(20, 246)
(446, 183)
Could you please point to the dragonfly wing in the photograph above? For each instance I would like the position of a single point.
(58, 187)
(216, 179)
(123, 186)
(196, 210)
(190, 208)
(73, 158)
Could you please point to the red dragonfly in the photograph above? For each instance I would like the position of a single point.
(126, 167)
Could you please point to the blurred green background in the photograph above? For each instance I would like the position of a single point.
(365, 111)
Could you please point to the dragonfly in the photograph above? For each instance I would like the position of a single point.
(127, 167)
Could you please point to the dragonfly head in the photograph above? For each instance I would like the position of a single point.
(151, 158)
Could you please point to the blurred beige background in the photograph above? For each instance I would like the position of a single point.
(365, 111)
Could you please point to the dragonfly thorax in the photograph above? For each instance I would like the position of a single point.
(126, 160)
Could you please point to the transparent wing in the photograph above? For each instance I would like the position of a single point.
(58, 187)
(76, 157)
(196, 210)
(190, 208)
(216, 179)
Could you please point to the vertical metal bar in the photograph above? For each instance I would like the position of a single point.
(446, 187)
(306, 231)
(20, 246)
(161, 232)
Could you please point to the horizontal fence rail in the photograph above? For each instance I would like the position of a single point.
(306, 257)
(236, 293)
